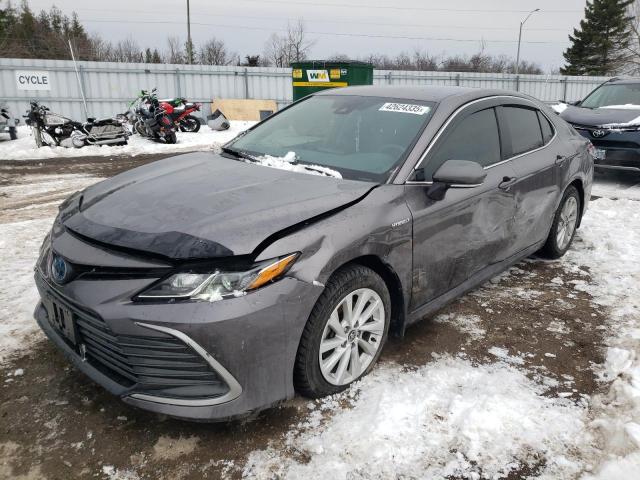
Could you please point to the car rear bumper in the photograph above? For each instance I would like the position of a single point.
(243, 347)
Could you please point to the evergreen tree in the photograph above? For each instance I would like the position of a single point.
(600, 45)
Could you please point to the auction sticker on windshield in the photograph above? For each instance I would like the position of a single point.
(404, 108)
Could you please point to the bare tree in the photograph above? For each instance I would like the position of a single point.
(175, 51)
(128, 50)
(215, 52)
(293, 46)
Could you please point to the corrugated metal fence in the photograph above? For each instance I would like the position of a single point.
(109, 87)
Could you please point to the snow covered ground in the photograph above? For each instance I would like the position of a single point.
(452, 415)
(24, 147)
(453, 418)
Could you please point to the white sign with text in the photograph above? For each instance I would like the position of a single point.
(32, 80)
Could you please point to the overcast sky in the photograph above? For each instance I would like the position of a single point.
(352, 27)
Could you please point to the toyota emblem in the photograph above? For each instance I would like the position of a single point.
(598, 133)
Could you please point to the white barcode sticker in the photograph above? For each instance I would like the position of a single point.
(404, 108)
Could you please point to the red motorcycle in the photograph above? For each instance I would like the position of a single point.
(180, 110)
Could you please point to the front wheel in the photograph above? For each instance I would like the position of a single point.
(171, 138)
(190, 124)
(345, 332)
(564, 225)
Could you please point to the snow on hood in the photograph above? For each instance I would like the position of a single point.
(633, 123)
(626, 106)
(559, 107)
(288, 162)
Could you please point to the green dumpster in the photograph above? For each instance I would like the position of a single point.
(314, 75)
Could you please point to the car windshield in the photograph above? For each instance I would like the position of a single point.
(363, 138)
(624, 95)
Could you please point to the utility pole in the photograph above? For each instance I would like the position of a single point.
(519, 37)
(189, 44)
(75, 66)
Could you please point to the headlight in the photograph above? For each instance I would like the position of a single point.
(216, 285)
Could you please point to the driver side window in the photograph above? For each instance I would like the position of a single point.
(476, 138)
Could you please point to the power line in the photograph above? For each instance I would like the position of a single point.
(386, 7)
(350, 22)
(340, 34)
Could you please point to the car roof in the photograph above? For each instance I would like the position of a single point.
(427, 93)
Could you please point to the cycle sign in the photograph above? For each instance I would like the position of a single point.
(32, 80)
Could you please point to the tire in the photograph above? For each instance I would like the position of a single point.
(567, 215)
(171, 138)
(347, 283)
(190, 124)
(140, 129)
(13, 133)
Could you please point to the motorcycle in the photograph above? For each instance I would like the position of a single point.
(51, 129)
(180, 110)
(152, 120)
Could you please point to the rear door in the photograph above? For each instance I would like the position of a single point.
(529, 141)
(458, 236)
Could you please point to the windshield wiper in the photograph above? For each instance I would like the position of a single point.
(327, 172)
(239, 154)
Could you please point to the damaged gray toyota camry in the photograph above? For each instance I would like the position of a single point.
(207, 286)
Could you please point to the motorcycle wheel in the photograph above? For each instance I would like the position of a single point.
(190, 124)
(139, 127)
(171, 138)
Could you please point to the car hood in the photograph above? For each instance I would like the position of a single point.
(203, 205)
(598, 116)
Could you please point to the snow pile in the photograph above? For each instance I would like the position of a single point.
(24, 147)
(609, 244)
(288, 162)
(559, 107)
(447, 419)
(616, 187)
(626, 106)
(19, 246)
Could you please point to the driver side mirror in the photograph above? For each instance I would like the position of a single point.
(456, 173)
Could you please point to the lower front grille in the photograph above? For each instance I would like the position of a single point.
(162, 365)
(151, 363)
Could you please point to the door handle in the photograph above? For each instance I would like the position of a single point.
(506, 182)
(560, 159)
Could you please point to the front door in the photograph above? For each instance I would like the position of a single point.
(458, 236)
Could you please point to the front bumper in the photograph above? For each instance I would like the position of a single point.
(622, 149)
(249, 343)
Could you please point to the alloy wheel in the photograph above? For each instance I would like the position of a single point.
(352, 336)
(567, 222)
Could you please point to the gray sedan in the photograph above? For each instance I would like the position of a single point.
(210, 285)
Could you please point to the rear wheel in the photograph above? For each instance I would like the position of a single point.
(190, 124)
(564, 225)
(345, 332)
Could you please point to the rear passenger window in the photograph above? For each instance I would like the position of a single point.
(547, 129)
(524, 128)
(476, 138)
